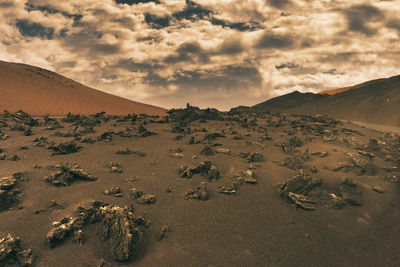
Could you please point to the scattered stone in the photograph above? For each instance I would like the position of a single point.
(136, 193)
(255, 157)
(350, 192)
(141, 197)
(169, 190)
(66, 175)
(177, 155)
(147, 199)
(6, 183)
(12, 253)
(124, 152)
(65, 148)
(302, 201)
(206, 168)
(163, 232)
(293, 162)
(198, 192)
(299, 184)
(359, 164)
(51, 207)
(143, 132)
(106, 136)
(115, 168)
(115, 191)
(378, 189)
(223, 151)
(207, 151)
(14, 158)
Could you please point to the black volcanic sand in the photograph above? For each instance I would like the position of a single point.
(255, 226)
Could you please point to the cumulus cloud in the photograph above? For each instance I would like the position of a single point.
(218, 53)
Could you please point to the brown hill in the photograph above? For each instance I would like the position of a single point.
(39, 91)
(376, 101)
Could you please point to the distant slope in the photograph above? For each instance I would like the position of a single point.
(376, 101)
(39, 91)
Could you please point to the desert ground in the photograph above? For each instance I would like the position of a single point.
(197, 188)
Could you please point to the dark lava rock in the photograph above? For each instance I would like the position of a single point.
(65, 148)
(206, 168)
(247, 176)
(299, 184)
(115, 167)
(294, 163)
(147, 199)
(7, 183)
(163, 232)
(350, 192)
(141, 197)
(23, 117)
(66, 175)
(199, 192)
(359, 163)
(302, 201)
(12, 254)
(255, 157)
(207, 151)
(143, 132)
(136, 193)
(212, 136)
(115, 191)
(106, 136)
(121, 230)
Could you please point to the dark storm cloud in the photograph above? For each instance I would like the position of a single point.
(132, 66)
(156, 22)
(394, 24)
(286, 65)
(193, 11)
(278, 41)
(228, 78)
(190, 52)
(359, 16)
(29, 6)
(240, 26)
(89, 44)
(6, 4)
(33, 29)
(279, 3)
(231, 47)
(135, 2)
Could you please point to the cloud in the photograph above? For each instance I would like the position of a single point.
(275, 41)
(135, 2)
(32, 29)
(188, 52)
(218, 53)
(279, 3)
(360, 17)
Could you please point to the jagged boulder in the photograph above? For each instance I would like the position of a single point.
(122, 231)
(199, 192)
(66, 175)
(12, 254)
(65, 148)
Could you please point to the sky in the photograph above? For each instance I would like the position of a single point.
(210, 53)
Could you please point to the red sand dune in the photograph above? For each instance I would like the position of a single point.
(40, 92)
(340, 90)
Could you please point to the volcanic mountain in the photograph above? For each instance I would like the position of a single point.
(376, 101)
(40, 92)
